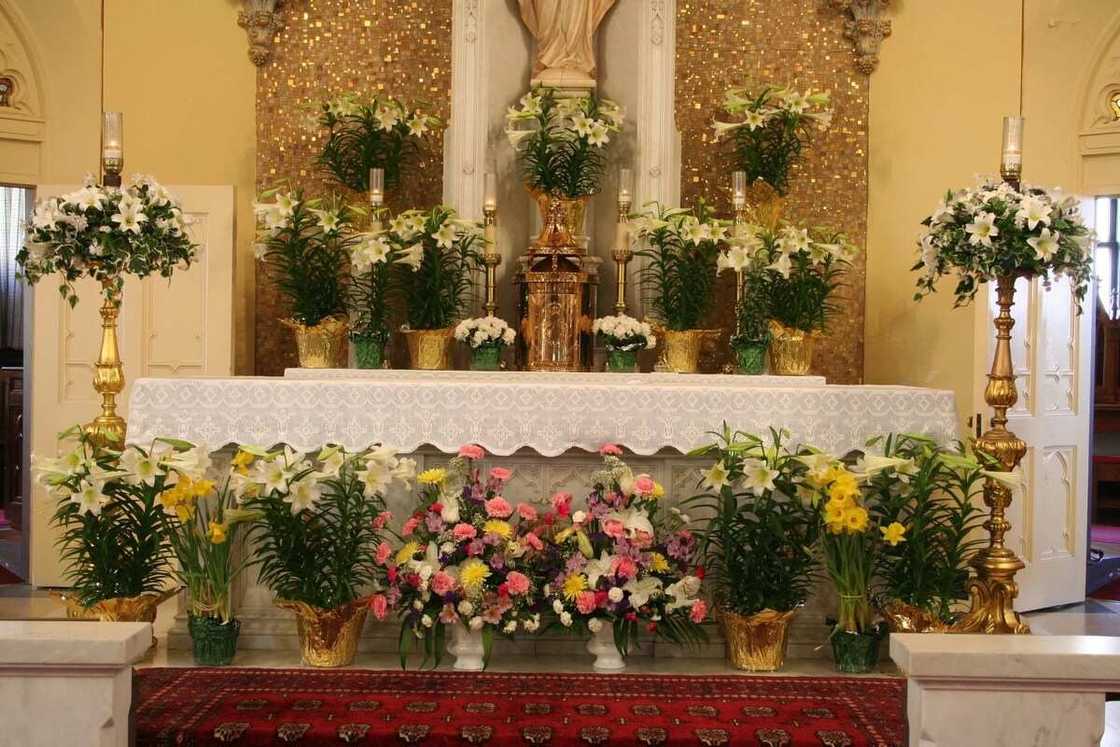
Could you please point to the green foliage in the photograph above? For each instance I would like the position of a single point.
(754, 313)
(370, 292)
(804, 300)
(759, 544)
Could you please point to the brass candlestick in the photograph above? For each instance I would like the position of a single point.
(740, 219)
(490, 257)
(108, 428)
(622, 254)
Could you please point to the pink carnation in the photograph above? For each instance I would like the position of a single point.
(699, 611)
(383, 553)
(471, 451)
(382, 519)
(379, 605)
(498, 507)
(410, 526)
(614, 528)
(501, 474)
(442, 583)
(517, 583)
(534, 541)
(624, 567)
(562, 502)
(585, 602)
(610, 450)
(464, 531)
(526, 512)
(644, 485)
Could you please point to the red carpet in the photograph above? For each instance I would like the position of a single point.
(198, 706)
(7, 577)
(1110, 591)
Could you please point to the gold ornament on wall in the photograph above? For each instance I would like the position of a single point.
(261, 23)
(866, 29)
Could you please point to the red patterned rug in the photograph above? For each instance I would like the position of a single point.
(196, 706)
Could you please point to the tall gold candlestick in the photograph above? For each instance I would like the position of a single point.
(108, 428)
(739, 203)
(622, 254)
(490, 256)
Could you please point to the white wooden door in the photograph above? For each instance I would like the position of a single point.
(179, 328)
(1051, 348)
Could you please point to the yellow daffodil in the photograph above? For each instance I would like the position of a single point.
(498, 527)
(433, 476)
(843, 485)
(217, 533)
(837, 527)
(893, 533)
(573, 585)
(473, 574)
(834, 510)
(202, 488)
(855, 519)
(407, 551)
(184, 512)
(241, 461)
(658, 563)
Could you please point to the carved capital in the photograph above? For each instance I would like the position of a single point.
(261, 22)
(865, 27)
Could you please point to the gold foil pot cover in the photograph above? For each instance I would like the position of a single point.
(757, 643)
(140, 608)
(322, 345)
(681, 348)
(902, 617)
(562, 221)
(791, 350)
(430, 349)
(328, 638)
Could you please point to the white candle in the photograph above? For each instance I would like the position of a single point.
(739, 189)
(490, 191)
(377, 187)
(625, 179)
(112, 136)
(1012, 159)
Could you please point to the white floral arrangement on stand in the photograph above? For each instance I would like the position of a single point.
(486, 331)
(995, 230)
(624, 333)
(105, 233)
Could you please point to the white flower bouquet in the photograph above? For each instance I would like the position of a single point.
(768, 128)
(994, 230)
(105, 233)
(561, 141)
(624, 333)
(486, 331)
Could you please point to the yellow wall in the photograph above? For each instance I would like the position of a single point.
(180, 74)
(948, 74)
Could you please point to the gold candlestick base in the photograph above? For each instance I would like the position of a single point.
(108, 428)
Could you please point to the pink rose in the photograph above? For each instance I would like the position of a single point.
(533, 541)
(442, 583)
(382, 519)
(463, 532)
(585, 602)
(526, 512)
(610, 450)
(379, 605)
(410, 526)
(699, 611)
(614, 528)
(517, 583)
(471, 451)
(644, 485)
(383, 553)
(562, 502)
(624, 567)
(501, 474)
(498, 507)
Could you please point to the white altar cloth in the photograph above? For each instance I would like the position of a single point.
(506, 411)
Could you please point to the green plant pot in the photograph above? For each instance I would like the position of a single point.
(213, 642)
(622, 361)
(855, 653)
(486, 358)
(751, 357)
(369, 352)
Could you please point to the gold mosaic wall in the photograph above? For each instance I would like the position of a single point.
(329, 47)
(721, 43)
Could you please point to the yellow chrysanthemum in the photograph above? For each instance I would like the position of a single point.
(893, 533)
(573, 585)
(407, 551)
(497, 527)
(658, 563)
(658, 490)
(855, 519)
(217, 533)
(473, 574)
(433, 476)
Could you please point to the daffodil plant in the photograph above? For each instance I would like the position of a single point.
(361, 134)
(760, 540)
(993, 230)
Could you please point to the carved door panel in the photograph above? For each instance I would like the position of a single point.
(181, 328)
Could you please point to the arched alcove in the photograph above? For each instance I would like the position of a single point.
(22, 115)
(1099, 137)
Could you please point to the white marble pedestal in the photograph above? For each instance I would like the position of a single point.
(68, 682)
(1006, 691)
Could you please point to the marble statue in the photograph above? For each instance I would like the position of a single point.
(565, 35)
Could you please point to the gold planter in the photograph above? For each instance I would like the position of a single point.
(562, 221)
(328, 638)
(322, 345)
(757, 643)
(140, 608)
(902, 617)
(682, 349)
(791, 350)
(430, 349)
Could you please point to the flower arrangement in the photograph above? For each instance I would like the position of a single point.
(995, 230)
(438, 252)
(362, 134)
(111, 508)
(624, 333)
(369, 291)
(683, 246)
(105, 233)
(305, 248)
(466, 560)
(486, 336)
(769, 127)
(561, 142)
(624, 562)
